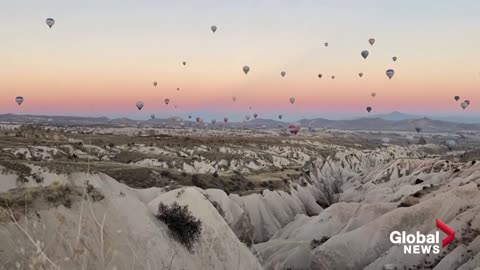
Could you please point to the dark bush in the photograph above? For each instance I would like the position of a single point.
(183, 226)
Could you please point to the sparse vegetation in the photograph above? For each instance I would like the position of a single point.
(183, 226)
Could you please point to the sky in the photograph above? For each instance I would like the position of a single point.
(101, 57)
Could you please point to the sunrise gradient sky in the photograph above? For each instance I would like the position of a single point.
(103, 55)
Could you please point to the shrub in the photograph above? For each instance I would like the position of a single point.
(183, 226)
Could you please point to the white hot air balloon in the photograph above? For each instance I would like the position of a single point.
(213, 28)
(139, 105)
(50, 22)
(292, 100)
(19, 100)
(371, 41)
(246, 69)
(450, 144)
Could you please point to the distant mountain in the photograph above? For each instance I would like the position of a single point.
(367, 123)
(396, 116)
(427, 125)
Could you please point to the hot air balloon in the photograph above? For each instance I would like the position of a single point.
(467, 101)
(390, 73)
(394, 59)
(283, 73)
(464, 105)
(360, 74)
(247, 117)
(333, 77)
(320, 75)
(152, 116)
(189, 117)
(294, 128)
(167, 101)
(155, 84)
(292, 100)
(450, 144)
(371, 41)
(364, 54)
(178, 88)
(184, 63)
(19, 100)
(214, 28)
(280, 116)
(457, 98)
(50, 22)
(214, 121)
(326, 44)
(250, 107)
(198, 119)
(225, 119)
(234, 98)
(373, 94)
(369, 109)
(246, 69)
(139, 105)
(255, 115)
(418, 129)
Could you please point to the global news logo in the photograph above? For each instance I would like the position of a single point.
(419, 243)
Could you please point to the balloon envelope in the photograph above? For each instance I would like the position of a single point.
(364, 54)
(394, 59)
(167, 101)
(155, 84)
(373, 94)
(246, 69)
(283, 73)
(280, 117)
(50, 22)
(294, 128)
(225, 119)
(214, 28)
(139, 105)
(19, 100)
(390, 73)
(152, 116)
(326, 44)
(234, 98)
(464, 105)
(369, 109)
(457, 98)
(184, 63)
(292, 100)
(255, 115)
(360, 74)
(320, 75)
(371, 41)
